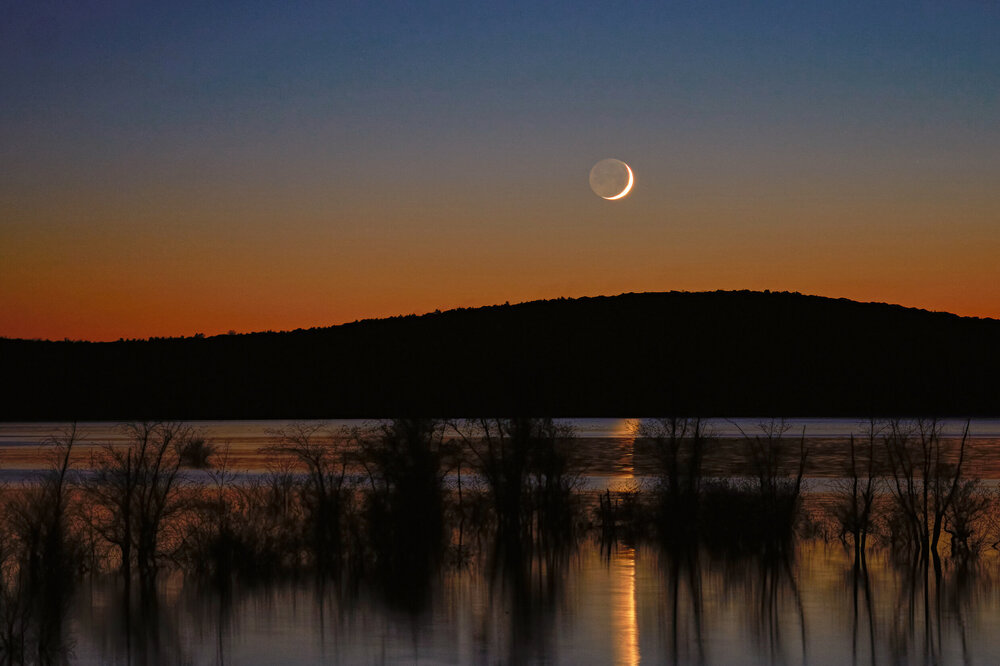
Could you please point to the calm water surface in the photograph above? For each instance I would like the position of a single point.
(631, 607)
(592, 605)
(603, 450)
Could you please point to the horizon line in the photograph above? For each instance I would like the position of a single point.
(233, 332)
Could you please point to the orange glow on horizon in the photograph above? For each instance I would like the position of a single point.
(104, 280)
(106, 320)
(353, 168)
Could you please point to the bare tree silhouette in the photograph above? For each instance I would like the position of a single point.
(134, 489)
(926, 478)
(853, 507)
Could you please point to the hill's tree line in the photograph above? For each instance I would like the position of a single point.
(721, 353)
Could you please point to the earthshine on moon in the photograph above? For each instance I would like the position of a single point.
(611, 179)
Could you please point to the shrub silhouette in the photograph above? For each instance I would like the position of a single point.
(405, 464)
(679, 446)
(527, 473)
(196, 453)
(322, 495)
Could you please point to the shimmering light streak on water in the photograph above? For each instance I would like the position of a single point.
(624, 618)
(627, 603)
(604, 450)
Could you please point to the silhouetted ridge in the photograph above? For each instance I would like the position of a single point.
(719, 353)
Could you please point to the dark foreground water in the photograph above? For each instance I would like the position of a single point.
(635, 606)
(589, 603)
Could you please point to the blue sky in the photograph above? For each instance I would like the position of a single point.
(392, 138)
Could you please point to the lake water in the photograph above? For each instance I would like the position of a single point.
(636, 606)
(591, 604)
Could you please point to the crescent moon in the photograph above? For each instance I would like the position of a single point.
(628, 187)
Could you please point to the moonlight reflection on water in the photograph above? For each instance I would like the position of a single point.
(587, 602)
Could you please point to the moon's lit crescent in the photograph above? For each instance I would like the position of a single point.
(627, 187)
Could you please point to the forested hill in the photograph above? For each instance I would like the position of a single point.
(711, 354)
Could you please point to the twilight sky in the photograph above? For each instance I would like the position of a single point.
(168, 168)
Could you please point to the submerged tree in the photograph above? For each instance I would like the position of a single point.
(964, 521)
(764, 512)
(528, 473)
(135, 492)
(250, 528)
(323, 496)
(767, 452)
(926, 479)
(41, 557)
(405, 461)
(48, 549)
(679, 446)
(853, 507)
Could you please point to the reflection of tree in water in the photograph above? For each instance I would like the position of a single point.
(33, 624)
(698, 588)
(404, 507)
(527, 585)
(768, 594)
(131, 625)
(726, 549)
(214, 610)
(40, 555)
(861, 604)
(960, 598)
(910, 612)
(530, 532)
(930, 607)
(683, 580)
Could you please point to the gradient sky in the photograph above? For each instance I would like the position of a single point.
(177, 167)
